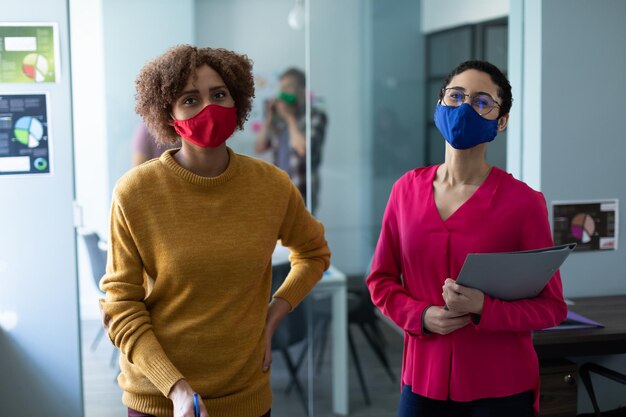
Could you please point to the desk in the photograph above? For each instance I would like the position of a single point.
(609, 340)
(334, 282)
(550, 345)
(610, 311)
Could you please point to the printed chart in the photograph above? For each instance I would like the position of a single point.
(29, 53)
(24, 137)
(592, 225)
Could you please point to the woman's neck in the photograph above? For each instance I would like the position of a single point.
(467, 167)
(205, 162)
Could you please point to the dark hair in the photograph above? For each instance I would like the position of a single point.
(161, 81)
(297, 74)
(504, 87)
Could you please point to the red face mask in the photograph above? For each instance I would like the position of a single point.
(209, 128)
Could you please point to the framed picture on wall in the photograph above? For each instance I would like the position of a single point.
(30, 52)
(25, 146)
(593, 225)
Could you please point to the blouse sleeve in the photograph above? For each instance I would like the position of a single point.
(548, 308)
(385, 282)
(129, 322)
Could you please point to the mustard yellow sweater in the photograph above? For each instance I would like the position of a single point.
(207, 245)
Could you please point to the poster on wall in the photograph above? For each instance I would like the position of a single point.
(29, 53)
(593, 225)
(25, 147)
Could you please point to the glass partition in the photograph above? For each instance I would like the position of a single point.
(366, 76)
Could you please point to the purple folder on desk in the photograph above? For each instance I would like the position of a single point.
(575, 321)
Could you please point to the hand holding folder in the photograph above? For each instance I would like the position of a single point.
(513, 275)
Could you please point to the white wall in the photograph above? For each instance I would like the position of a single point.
(40, 349)
(135, 32)
(90, 136)
(533, 96)
(444, 14)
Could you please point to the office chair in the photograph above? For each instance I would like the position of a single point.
(98, 260)
(585, 371)
(362, 314)
(292, 331)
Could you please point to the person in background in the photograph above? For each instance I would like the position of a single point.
(202, 221)
(146, 147)
(284, 133)
(465, 353)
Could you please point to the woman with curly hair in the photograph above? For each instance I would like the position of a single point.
(200, 224)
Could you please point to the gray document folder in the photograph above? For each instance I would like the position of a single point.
(513, 275)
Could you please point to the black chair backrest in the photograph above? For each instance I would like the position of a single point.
(362, 308)
(97, 256)
(293, 328)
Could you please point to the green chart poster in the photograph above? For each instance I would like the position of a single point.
(29, 53)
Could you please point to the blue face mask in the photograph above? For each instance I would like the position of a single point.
(462, 127)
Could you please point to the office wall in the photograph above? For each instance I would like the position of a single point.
(90, 137)
(111, 40)
(444, 14)
(572, 134)
(582, 138)
(135, 32)
(39, 329)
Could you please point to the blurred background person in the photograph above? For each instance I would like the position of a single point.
(284, 133)
(146, 147)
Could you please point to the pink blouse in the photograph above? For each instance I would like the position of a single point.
(417, 251)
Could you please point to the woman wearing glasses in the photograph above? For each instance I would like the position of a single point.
(474, 357)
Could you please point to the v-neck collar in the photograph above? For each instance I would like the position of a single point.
(463, 207)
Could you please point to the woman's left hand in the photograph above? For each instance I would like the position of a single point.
(276, 312)
(462, 299)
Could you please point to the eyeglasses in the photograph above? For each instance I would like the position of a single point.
(482, 103)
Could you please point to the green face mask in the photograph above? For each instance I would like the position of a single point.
(288, 98)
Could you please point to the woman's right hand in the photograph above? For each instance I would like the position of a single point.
(441, 321)
(181, 395)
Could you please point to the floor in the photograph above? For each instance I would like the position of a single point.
(103, 396)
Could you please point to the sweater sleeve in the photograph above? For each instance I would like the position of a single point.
(385, 282)
(310, 256)
(548, 308)
(129, 322)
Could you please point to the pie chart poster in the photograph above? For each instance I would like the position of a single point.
(24, 142)
(28, 53)
(592, 225)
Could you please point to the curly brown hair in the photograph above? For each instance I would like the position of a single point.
(161, 81)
